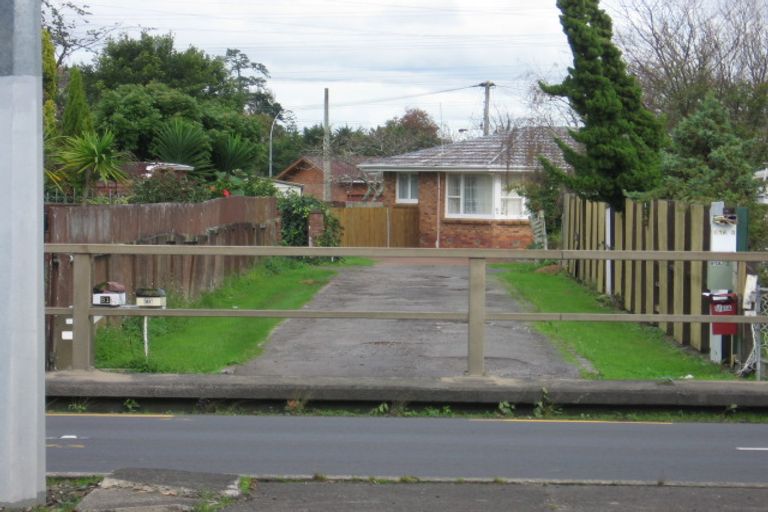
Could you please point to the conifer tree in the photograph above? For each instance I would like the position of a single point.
(618, 146)
(77, 118)
(707, 161)
(50, 85)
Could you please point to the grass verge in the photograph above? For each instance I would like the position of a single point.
(616, 351)
(206, 345)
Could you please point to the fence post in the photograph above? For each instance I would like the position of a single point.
(82, 330)
(476, 342)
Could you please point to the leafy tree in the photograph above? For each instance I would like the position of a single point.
(414, 130)
(183, 142)
(153, 58)
(88, 157)
(680, 51)
(620, 140)
(76, 118)
(50, 85)
(66, 22)
(133, 113)
(707, 161)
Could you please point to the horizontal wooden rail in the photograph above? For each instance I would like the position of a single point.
(380, 252)
(476, 315)
(410, 315)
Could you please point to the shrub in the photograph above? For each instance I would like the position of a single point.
(166, 186)
(294, 213)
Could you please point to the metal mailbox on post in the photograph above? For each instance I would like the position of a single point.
(724, 304)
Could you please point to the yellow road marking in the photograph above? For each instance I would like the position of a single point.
(112, 415)
(56, 445)
(599, 422)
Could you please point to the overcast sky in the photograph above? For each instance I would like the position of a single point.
(377, 57)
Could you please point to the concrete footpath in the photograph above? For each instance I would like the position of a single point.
(160, 490)
(481, 390)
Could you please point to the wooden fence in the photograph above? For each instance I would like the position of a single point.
(662, 287)
(379, 227)
(234, 221)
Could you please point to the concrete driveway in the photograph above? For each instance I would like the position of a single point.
(404, 348)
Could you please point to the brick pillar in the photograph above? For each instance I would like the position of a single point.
(316, 227)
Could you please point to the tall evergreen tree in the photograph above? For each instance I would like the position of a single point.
(77, 118)
(618, 146)
(50, 85)
(707, 161)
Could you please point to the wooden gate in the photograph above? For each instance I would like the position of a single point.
(379, 227)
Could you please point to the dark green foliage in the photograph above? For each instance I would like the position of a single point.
(152, 58)
(707, 161)
(50, 70)
(240, 183)
(134, 113)
(183, 142)
(77, 118)
(232, 152)
(166, 186)
(618, 146)
(542, 192)
(89, 157)
(294, 216)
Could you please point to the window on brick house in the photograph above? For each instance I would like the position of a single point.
(482, 196)
(408, 187)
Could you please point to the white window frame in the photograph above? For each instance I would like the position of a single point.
(498, 194)
(413, 188)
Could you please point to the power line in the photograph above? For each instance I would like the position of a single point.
(382, 100)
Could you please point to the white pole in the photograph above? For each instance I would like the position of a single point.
(271, 130)
(146, 337)
(22, 345)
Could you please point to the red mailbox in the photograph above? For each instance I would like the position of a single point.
(725, 304)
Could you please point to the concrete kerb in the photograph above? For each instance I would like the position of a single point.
(467, 390)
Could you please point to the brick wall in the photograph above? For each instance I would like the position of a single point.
(457, 233)
(312, 179)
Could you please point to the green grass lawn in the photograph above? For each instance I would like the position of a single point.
(205, 345)
(621, 351)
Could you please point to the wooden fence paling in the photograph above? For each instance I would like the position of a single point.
(618, 282)
(662, 207)
(590, 241)
(601, 244)
(697, 224)
(678, 303)
(650, 267)
(629, 244)
(637, 301)
(378, 227)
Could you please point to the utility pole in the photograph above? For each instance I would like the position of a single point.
(22, 352)
(487, 107)
(327, 177)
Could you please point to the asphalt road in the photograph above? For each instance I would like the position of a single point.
(422, 447)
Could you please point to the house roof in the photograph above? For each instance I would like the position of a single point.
(518, 149)
(342, 170)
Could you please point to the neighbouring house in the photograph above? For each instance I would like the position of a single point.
(349, 184)
(466, 192)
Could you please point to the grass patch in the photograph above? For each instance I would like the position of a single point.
(206, 345)
(617, 351)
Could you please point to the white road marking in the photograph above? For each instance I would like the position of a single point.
(68, 436)
(752, 449)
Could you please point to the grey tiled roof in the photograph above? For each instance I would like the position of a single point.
(516, 150)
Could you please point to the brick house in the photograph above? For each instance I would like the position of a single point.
(465, 192)
(349, 183)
